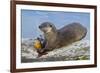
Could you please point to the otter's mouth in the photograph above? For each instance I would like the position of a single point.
(46, 29)
(43, 30)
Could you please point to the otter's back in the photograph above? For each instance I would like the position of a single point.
(71, 33)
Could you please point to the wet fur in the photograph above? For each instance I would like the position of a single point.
(62, 37)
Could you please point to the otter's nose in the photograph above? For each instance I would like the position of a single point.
(39, 26)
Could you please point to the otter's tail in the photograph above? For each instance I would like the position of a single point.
(85, 32)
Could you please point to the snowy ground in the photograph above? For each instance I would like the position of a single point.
(79, 50)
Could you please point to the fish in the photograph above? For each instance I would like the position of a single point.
(37, 44)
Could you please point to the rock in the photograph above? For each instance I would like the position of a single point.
(79, 50)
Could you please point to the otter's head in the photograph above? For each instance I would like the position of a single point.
(47, 27)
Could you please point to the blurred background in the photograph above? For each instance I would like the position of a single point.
(31, 19)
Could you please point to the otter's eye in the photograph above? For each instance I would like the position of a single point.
(50, 25)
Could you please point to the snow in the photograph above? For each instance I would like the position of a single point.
(79, 50)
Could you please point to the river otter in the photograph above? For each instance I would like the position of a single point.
(57, 38)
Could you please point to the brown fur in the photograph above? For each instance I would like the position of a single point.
(62, 37)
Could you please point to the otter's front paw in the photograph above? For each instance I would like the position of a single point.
(44, 53)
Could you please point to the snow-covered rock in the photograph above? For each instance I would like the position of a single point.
(79, 50)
